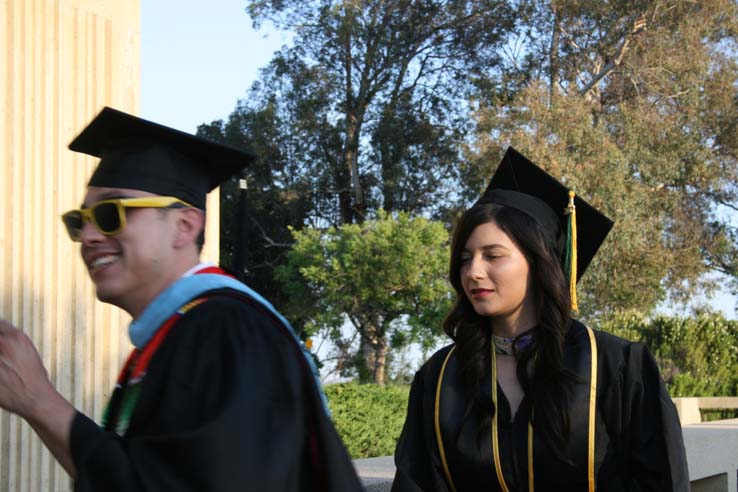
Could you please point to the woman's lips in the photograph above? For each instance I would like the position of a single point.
(479, 293)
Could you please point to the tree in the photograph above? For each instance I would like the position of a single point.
(366, 110)
(279, 194)
(384, 278)
(371, 97)
(635, 105)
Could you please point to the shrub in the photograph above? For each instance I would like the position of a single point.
(368, 417)
(697, 356)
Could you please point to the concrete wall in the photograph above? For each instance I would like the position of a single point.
(60, 62)
(689, 408)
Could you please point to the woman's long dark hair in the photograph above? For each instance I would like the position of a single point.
(547, 384)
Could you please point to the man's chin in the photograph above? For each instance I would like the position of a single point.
(107, 295)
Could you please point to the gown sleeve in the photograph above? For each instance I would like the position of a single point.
(650, 434)
(227, 405)
(417, 462)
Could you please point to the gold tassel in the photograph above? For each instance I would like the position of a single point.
(573, 273)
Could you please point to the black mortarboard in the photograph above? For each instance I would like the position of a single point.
(141, 155)
(520, 184)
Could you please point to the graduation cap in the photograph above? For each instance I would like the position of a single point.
(572, 226)
(142, 155)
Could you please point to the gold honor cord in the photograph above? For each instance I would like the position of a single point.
(530, 453)
(495, 441)
(592, 402)
(437, 419)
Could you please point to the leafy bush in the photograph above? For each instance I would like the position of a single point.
(383, 280)
(368, 417)
(697, 356)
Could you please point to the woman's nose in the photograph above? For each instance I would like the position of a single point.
(475, 270)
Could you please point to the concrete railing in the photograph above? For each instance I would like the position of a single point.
(376, 474)
(712, 455)
(712, 458)
(689, 408)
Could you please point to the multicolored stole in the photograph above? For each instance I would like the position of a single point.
(117, 415)
(495, 441)
(151, 328)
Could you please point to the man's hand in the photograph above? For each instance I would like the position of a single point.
(23, 378)
(25, 389)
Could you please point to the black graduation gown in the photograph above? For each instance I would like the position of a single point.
(638, 438)
(228, 404)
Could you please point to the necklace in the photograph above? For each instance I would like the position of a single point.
(511, 345)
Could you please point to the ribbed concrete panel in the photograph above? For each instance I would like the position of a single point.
(60, 62)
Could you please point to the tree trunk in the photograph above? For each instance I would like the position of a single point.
(344, 194)
(374, 351)
(380, 363)
(364, 360)
(353, 130)
(351, 159)
(553, 55)
(390, 186)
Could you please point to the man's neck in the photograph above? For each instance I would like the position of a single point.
(198, 267)
(138, 306)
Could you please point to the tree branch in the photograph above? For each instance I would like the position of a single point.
(553, 55)
(270, 242)
(639, 25)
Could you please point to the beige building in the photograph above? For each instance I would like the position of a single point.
(61, 62)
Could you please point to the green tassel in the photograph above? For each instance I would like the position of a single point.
(570, 263)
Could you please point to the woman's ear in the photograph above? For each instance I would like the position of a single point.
(189, 223)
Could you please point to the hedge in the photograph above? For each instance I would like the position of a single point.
(697, 356)
(368, 417)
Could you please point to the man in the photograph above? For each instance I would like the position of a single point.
(217, 394)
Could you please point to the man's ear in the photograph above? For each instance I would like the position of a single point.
(189, 223)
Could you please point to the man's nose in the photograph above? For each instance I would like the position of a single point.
(89, 233)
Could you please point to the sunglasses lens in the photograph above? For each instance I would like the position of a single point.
(73, 222)
(107, 217)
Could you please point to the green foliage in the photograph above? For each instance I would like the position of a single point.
(722, 254)
(254, 222)
(368, 417)
(366, 110)
(370, 101)
(697, 356)
(385, 277)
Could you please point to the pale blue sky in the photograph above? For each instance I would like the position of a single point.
(199, 58)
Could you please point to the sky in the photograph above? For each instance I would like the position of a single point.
(199, 58)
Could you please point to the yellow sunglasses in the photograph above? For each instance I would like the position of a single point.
(109, 216)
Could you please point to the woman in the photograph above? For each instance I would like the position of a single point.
(528, 398)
